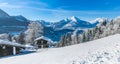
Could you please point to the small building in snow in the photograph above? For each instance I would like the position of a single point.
(42, 42)
(10, 48)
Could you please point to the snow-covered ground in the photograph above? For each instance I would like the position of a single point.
(102, 51)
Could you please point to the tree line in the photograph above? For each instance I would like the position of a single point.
(103, 29)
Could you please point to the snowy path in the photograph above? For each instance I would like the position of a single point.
(93, 52)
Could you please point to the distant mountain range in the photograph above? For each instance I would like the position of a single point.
(57, 29)
(12, 24)
(72, 23)
(16, 24)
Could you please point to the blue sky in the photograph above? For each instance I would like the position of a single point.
(54, 10)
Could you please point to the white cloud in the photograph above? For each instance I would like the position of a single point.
(74, 11)
(7, 5)
(22, 4)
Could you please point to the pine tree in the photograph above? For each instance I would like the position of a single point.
(68, 39)
(9, 37)
(21, 38)
(62, 41)
(75, 37)
(65, 40)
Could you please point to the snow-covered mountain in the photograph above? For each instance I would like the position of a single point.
(102, 51)
(98, 21)
(60, 24)
(76, 23)
(12, 24)
(58, 29)
(3, 14)
(15, 24)
(44, 23)
(21, 18)
(72, 23)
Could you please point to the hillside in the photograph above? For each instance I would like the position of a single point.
(101, 51)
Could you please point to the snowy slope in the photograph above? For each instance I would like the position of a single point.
(21, 18)
(75, 54)
(45, 23)
(3, 14)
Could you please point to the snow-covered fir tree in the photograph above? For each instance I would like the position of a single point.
(65, 40)
(75, 37)
(103, 29)
(19, 38)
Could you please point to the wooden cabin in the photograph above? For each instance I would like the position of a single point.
(42, 42)
(9, 48)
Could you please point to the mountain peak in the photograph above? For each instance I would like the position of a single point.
(20, 18)
(3, 14)
(66, 19)
(98, 20)
(74, 18)
(117, 18)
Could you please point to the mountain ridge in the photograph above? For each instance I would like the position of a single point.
(3, 14)
(12, 24)
(53, 30)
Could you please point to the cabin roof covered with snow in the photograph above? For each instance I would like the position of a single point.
(5, 42)
(45, 38)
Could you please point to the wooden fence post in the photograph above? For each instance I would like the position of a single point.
(14, 50)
